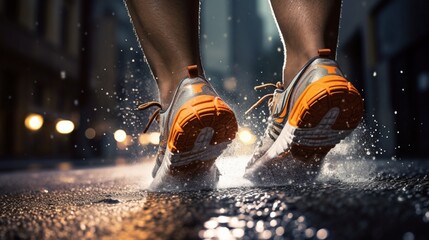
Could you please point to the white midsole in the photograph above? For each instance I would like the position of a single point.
(321, 135)
(201, 151)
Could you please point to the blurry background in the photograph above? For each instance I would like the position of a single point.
(72, 74)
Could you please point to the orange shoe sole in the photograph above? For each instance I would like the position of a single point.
(198, 113)
(314, 103)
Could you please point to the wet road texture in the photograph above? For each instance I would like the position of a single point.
(350, 199)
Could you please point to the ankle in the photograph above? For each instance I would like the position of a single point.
(296, 61)
(292, 68)
(166, 91)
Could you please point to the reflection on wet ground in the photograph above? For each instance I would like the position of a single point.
(349, 200)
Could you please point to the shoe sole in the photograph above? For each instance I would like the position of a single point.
(324, 114)
(201, 130)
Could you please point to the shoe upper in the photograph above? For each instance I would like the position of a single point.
(275, 123)
(284, 99)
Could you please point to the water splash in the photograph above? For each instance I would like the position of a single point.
(232, 170)
(349, 161)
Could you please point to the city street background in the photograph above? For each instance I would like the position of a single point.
(74, 161)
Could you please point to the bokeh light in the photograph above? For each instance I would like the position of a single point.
(90, 133)
(246, 136)
(120, 135)
(144, 139)
(33, 121)
(154, 138)
(64, 126)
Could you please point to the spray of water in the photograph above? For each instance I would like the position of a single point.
(350, 160)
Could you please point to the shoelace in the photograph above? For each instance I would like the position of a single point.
(155, 114)
(278, 85)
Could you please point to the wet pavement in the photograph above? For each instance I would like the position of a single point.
(362, 199)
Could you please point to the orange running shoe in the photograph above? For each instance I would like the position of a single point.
(195, 129)
(317, 110)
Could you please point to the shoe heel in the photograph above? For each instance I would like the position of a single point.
(321, 96)
(325, 113)
(207, 115)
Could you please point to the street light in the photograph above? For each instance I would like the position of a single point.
(246, 136)
(144, 139)
(33, 121)
(154, 138)
(120, 135)
(64, 126)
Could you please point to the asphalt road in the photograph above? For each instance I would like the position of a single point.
(351, 199)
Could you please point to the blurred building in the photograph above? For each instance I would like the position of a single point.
(79, 60)
(65, 60)
(238, 53)
(40, 73)
(383, 49)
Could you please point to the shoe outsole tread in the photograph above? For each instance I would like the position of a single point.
(199, 113)
(315, 102)
(202, 129)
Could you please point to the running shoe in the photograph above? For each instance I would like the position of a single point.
(195, 129)
(316, 111)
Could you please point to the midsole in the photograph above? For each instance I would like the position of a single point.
(321, 135)
(203, 150)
